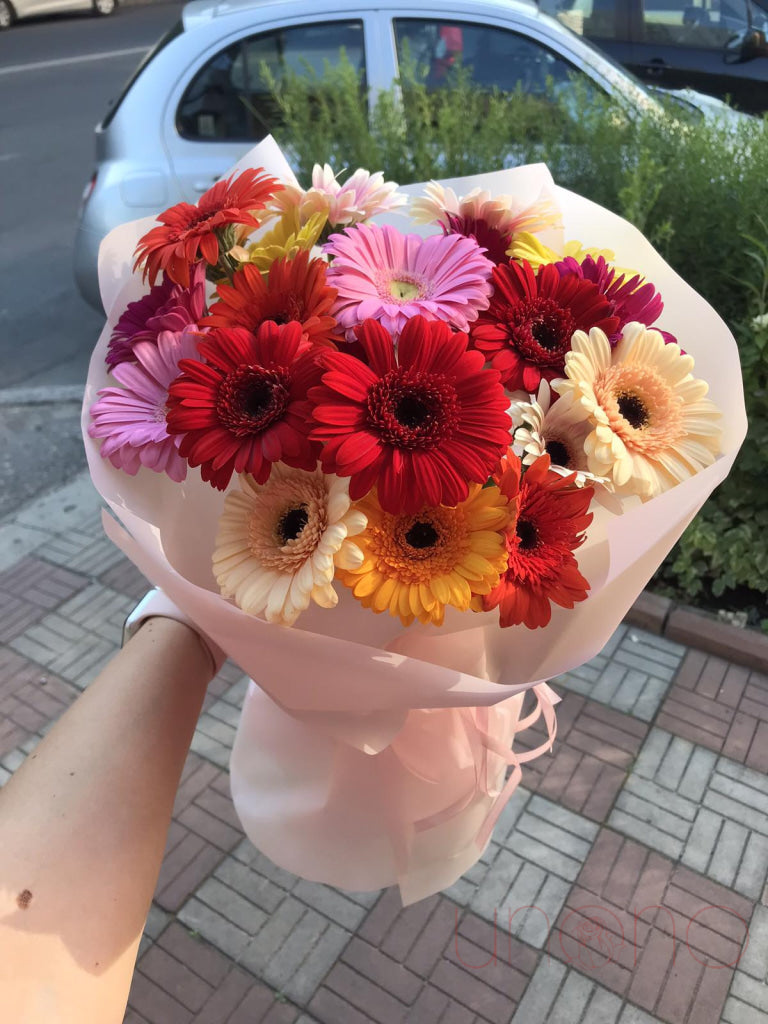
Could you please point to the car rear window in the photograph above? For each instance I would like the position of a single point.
(147, 59)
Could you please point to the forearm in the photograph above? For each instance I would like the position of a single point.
(83, 825)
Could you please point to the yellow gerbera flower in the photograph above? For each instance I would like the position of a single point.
(651, 424)
(416, 564)
(526, 246)
(285, 239)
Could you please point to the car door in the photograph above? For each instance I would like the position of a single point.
(604, 22)
(221, 107)
(679, 43)
(505, 54)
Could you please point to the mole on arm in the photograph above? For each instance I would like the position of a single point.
(24, 899)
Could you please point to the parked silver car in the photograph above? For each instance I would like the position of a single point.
(197, 102)
(13, 10)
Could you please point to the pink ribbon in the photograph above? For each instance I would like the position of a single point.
(482, 737)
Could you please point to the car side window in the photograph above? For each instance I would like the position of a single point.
(596, 19)
(228, 98)
(706, 24)
(494, 57)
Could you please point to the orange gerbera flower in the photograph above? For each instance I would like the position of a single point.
(293, 289)
(541, 569)
(186, 233)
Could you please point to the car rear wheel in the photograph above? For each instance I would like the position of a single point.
(6, 14)
(101, 7)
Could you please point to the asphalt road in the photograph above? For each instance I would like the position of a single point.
(57, 76)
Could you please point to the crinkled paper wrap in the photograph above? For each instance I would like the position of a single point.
(337, 774)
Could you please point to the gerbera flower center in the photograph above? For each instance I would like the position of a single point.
(413, 408)
(494, 241)
(292, 523)
(405, 289)
(411, 411)
(633, 410)
(416, 548)
(527, 535)
(641, 407)
(558, 452)
(542, 330)
(290, 308)
(251, 398)
(422, 535)
(287, 522)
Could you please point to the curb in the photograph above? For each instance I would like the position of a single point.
(44, 395)
(695, 628)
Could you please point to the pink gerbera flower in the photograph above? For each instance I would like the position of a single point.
(131, 418)
(384, 275)
(167, 307)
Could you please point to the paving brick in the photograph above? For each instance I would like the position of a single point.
(365, 996)
(332, 1009)
(198, 956)
(214, 928)
(594, 748)
(232, 905)
(330, 902)
(686, 925)
(719, 706)
(154, 1004)
(175, 978)
(125, 578)
(632, 673)
(603, 1008)
(469, 990)
(437, 933)
(541, 993)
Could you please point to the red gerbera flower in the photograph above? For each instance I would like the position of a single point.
(527, 329)
(188, 232)
(246, 406)
(421, 425)
(551, 518)
(294, 289)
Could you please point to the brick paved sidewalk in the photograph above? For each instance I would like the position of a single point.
(625, 882)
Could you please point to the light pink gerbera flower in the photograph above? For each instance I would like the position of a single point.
(361, 197)
(131, 418)
(491, 221)
(384, 275)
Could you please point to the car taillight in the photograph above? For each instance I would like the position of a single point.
(87, 191)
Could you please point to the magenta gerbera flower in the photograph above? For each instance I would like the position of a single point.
(384, 275)
(633, 299)
(131, 418)
(167, 307)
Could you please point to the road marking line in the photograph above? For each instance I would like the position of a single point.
(61, 61)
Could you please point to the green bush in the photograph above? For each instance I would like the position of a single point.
(695, 189)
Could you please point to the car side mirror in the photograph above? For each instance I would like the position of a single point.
(744, 46)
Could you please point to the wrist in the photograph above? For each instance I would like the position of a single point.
(157, 605)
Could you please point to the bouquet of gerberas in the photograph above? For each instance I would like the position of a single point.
(453, 417)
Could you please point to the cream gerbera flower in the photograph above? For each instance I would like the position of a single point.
(279, 543)
(505, 214)
(542, 426)
(651, 425)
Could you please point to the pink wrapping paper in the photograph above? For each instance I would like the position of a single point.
(329, 771)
